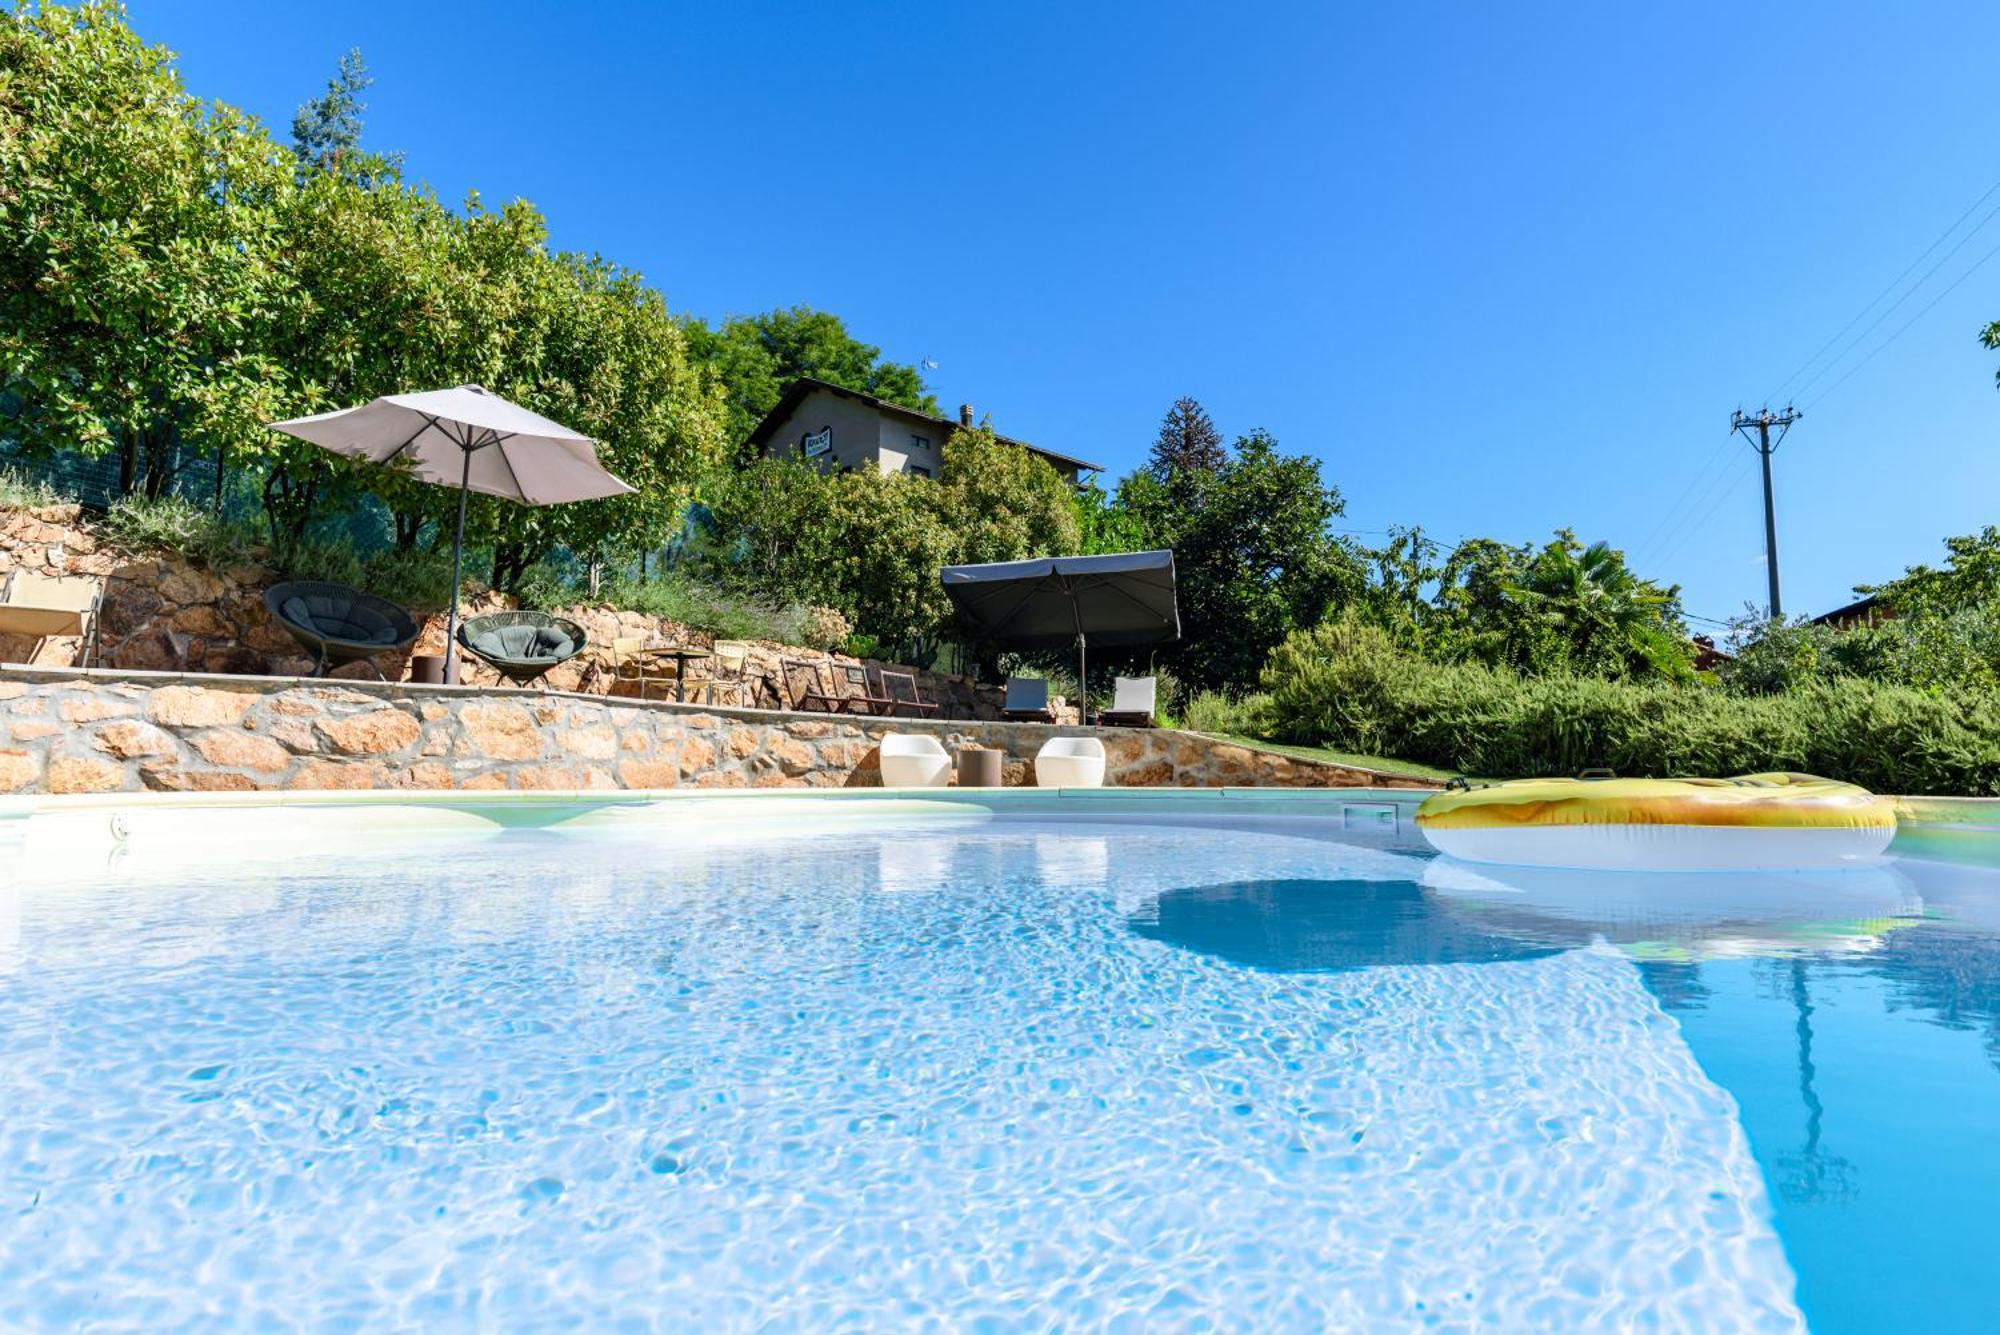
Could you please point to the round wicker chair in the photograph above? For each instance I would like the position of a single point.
(521, 646)
(339, 625)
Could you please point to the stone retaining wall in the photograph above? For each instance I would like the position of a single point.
(105, 731)
(163, 613)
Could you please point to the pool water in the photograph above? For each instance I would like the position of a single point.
(1014, 1074)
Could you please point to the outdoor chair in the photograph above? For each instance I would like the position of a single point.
(1027, 701)
(1132, 702)
(1070, 762)
(729, 676)
(902, 695)
(861, 694)
(338, 625)
(52, 606)
(913, 760)
(522, 646)
(813, 695)
(629, 664)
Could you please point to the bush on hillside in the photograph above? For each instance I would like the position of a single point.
(1343, 685)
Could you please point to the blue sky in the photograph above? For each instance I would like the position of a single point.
(1503, 267)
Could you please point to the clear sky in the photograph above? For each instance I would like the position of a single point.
(1504, 267)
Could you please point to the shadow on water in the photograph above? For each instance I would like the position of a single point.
(1324, 926)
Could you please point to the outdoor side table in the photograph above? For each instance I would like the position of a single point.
(978, 767)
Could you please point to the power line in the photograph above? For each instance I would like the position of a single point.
(1724, 483)
(1893, 306)
(1893, 285)
(1667, 515)
(1978, 264)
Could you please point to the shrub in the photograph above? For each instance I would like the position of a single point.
(18, 491)
(1338, 685)
(171, 524)
(824, 628)
(704, 606)
(1217, 712)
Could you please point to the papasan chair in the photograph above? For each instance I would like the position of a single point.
(339, 625)
(522, 646)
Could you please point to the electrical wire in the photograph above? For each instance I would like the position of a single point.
(1978, 264)
(1893, 306)
(1878, 297)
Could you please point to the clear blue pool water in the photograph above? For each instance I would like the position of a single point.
(1019, 1075)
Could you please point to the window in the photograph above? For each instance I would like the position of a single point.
(916, 470)
(920, 442)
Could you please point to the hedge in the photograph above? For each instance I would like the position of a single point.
(1345, 685)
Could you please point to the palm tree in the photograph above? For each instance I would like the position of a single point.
(1589, 600)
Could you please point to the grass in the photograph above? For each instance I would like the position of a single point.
(1385, 764)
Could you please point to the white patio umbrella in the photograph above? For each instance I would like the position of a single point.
(470, 439)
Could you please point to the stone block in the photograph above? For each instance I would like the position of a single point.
(593, 743)
(336, 774)
(649, 774)
(241, 750)
(83, 774)
(89, 709)
(197, 707)
(18, 770)
(174, 779)
(375, 733)
(501, 730)
(31, 730)
(129, 739)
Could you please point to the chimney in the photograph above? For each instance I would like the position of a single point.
(965, 414)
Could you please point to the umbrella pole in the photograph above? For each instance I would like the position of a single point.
(1082, 682)
(457, 563)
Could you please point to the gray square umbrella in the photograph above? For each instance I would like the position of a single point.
(1052, 602)
(470, 439)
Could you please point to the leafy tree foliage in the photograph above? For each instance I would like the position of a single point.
(757, 356)
(138, 286)
(870, 545)
(1254, 555)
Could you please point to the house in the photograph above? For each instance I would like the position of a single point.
(1862, 612)
(846, 429)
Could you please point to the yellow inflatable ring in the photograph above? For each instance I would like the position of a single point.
(1757, 821)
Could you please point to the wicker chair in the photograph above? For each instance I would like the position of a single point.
(339, 625)
(522, 646)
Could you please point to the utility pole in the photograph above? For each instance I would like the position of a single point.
(1762, 422)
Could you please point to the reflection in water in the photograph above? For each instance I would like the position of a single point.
(1810, 1176)
(1290, 926)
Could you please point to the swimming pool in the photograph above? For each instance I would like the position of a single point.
(1127, 1062)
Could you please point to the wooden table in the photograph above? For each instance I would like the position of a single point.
(682, 655)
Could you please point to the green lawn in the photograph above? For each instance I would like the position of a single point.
(1386, 764)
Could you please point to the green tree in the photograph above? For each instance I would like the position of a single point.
(1582, 609)
(327, 129)
(1188, 443)
(137, 229)
(1255, 557)
(757, 356)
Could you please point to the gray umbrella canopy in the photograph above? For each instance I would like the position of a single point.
(1114, 601)
(470, 439)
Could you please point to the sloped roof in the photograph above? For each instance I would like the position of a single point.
(796, 392)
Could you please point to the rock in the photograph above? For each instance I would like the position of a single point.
(90, 709)
(638, 739)
(241, 750)
(83, 774)
(649, 774)
(197, 707)
(295, 736)
(372, 734)
(494, 779)
(697, 753)
(427, 774)
(598, 743)
(744, 741)
(185, 585)
(172, 779)
(18, 770)
(501, 730)
(13, 690)
(793, 757)
(201, 620)
(31, 730)
(336, 774)
(129, 739)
